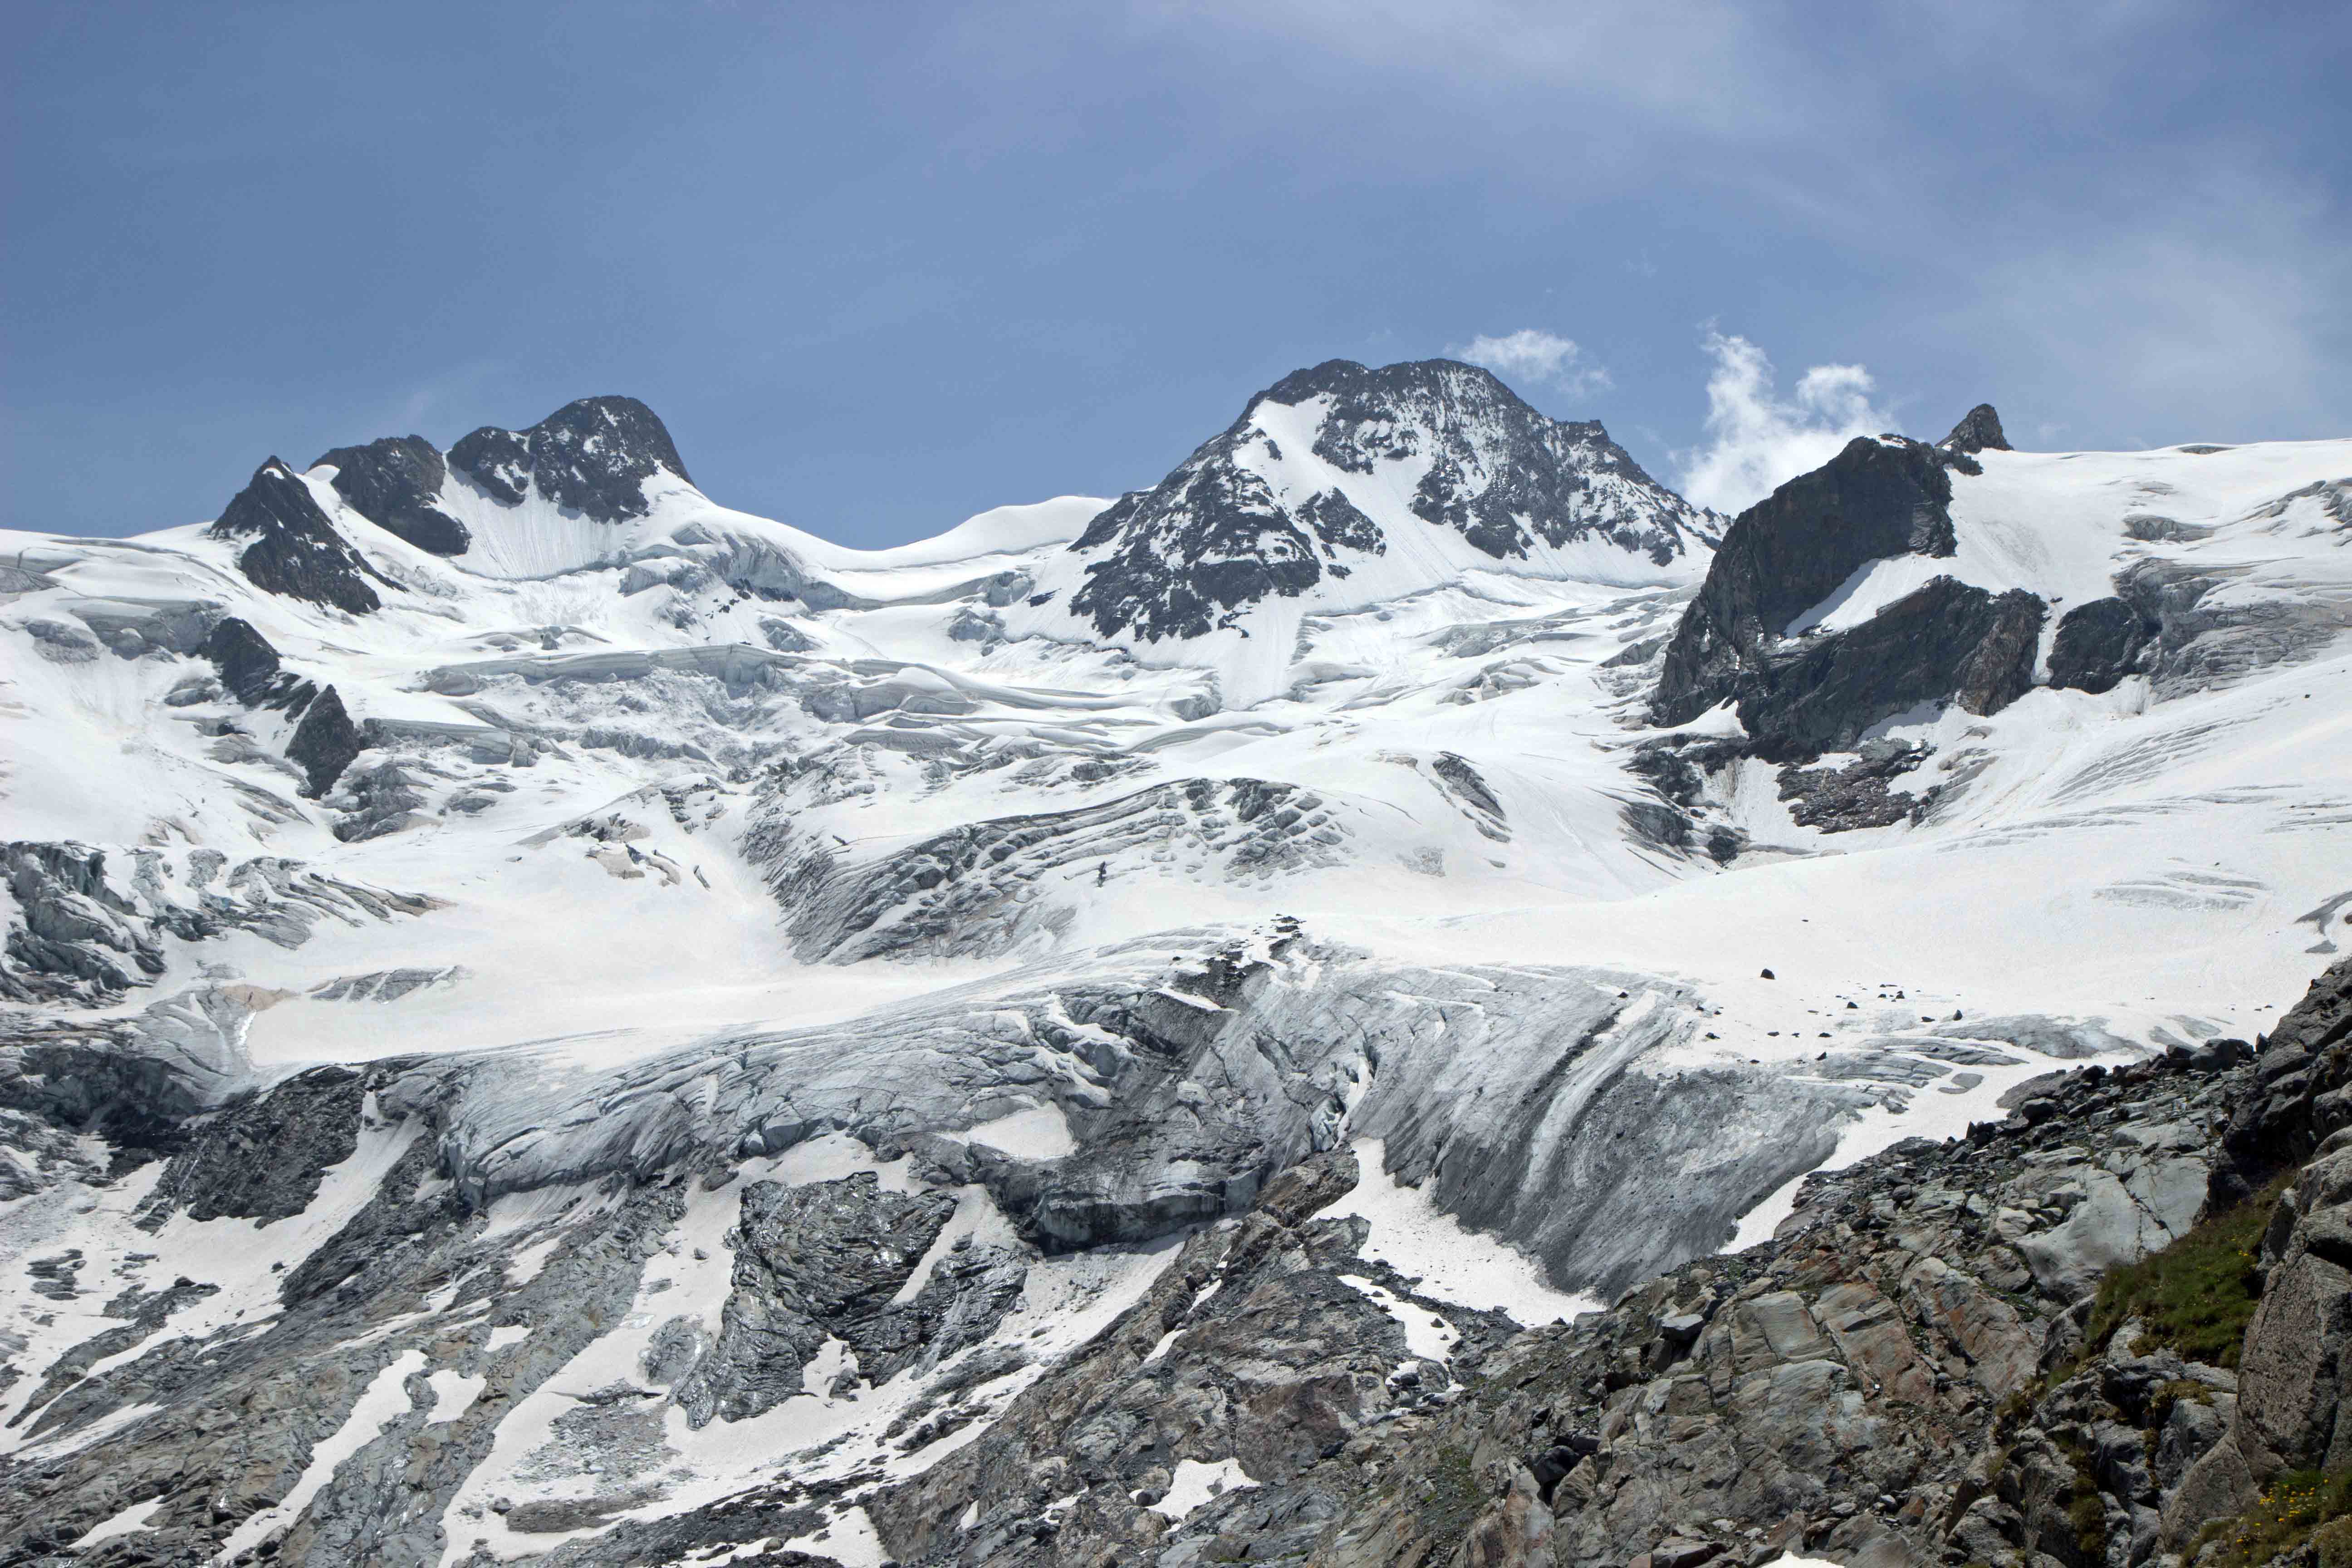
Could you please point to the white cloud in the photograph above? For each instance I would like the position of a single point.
(1757, 441)
(1534, 357)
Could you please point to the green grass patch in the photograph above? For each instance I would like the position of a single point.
(2086, 1511)
(2196, 1296)
(2300, 1506)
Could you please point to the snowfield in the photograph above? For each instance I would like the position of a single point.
(679, 879)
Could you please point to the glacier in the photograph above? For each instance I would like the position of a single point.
(548, 1019)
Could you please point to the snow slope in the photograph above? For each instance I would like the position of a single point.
(681, 859)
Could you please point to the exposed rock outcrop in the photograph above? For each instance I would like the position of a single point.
(1943, 641)
(248, 666)
(294, 548)
(1801, 692)
(1977, 431)
(2099, 643)
(394, 483)
(325, 741)
(1913, 1371)
(592, 456)
(1218, 536)
(1879, 497)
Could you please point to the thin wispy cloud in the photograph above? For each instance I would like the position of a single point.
(1533, 357)
(1757, 441)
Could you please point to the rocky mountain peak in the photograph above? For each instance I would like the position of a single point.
(395, 483)
(592, 456)
(294, 548)
(1802, 694)
(1977, 431)
(1303, 490)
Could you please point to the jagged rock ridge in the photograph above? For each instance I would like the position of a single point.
(592, 456)
(294, 548)
(1247, 517)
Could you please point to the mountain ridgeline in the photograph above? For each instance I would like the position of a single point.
(1401, 997)
(1303, 487)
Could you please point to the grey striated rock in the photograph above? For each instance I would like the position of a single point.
(2291, 1377)
(294, 548)
(394, 483)
(592, 456)
(2303, 1073)
(825, 1261)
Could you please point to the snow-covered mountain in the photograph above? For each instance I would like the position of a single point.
(1341, 488)
(550, 1019)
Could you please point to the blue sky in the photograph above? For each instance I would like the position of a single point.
(881, 267)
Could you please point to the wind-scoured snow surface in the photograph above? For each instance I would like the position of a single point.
(704, 1019)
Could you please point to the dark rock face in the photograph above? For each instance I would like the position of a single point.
(247, 664)
(2301, 1099)
(1255, 1346)
(1213, 539)
(1946, 639)
(325, 741)
(824, 1262)
(2000, 669)
(1793, 550)
(592, 456)
(2098, 643)
(392, 482)
(295, 550)
(263, 1158)
(1977, 431)
(1238, 545)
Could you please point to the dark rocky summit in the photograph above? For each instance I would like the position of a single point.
(1977, 431)
(1213, 539)
(294, 549)
(1801, 693)
(1879, 497)
(592, 456)
(394, 482)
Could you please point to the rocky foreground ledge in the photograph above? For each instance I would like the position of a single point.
(2112, 1330)
(1950, 1353)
